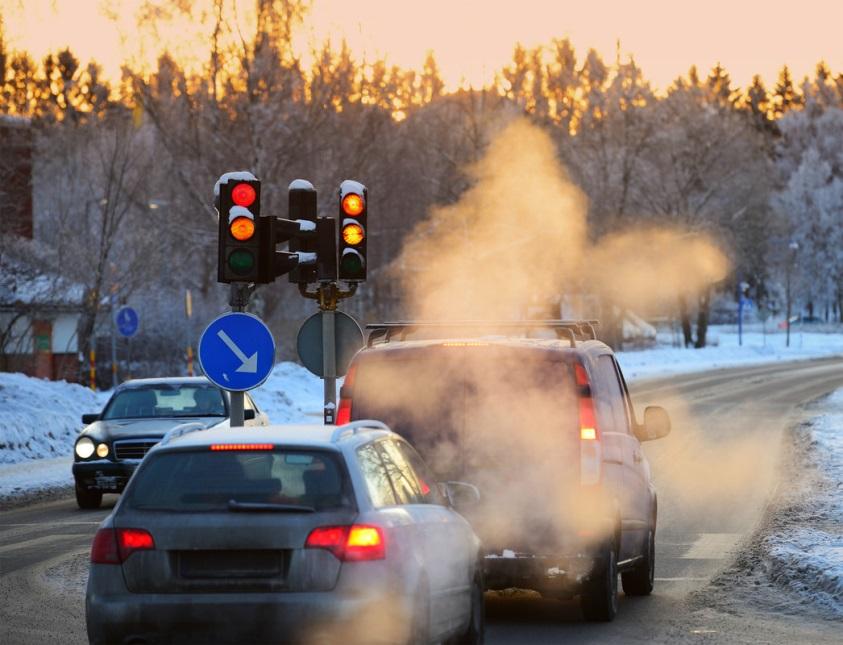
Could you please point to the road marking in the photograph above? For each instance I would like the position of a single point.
(712, 546)
(46, 539)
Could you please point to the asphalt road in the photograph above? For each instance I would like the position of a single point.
(715, 474)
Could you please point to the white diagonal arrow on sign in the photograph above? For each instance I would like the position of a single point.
(249, 364)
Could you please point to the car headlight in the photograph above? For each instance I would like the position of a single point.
(84, 448)
(102, 451)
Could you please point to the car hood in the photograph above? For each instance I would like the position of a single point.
(123, 428)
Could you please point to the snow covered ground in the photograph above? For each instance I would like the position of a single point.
(807, 554)
(724, 350)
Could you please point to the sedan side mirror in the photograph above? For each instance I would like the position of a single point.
(90, 418)
(461, 495)
(656, 424)
(248, 415)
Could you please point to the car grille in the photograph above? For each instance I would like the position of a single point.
(133, 449)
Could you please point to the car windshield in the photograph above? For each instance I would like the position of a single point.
(166, 400)
(232, 480)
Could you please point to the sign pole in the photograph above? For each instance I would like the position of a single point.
(113, 342)
(328, 307)
(239, 299)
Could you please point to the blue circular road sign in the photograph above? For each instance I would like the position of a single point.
(127, 321)
(237, 351)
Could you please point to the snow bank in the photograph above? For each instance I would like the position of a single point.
(809, 557)
(40, 418)
(291, 394)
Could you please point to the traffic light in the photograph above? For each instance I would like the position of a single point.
(352, 231)
(302, 206)
(239, 207)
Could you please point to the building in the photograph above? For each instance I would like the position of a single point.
(39, 309)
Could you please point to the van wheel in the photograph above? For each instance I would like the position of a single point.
(87, 499)
(599, 597)
(639, 581)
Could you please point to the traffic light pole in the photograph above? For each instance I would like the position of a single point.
(328, 295)
(240, 294)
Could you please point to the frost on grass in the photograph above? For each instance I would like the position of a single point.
(807, 556)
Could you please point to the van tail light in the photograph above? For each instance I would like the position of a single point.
(344, 412)
(344, 409)
(590, 451)
(113, 546)
(355, 543)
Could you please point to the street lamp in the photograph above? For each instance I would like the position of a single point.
(794, 247)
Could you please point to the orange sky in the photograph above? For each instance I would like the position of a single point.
(473, 38)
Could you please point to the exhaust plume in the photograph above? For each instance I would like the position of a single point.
(519, 235)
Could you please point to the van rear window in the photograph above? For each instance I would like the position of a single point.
(461, 407)
(207, 481)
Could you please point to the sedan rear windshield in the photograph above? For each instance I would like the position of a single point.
(166, 400)
(227, 480)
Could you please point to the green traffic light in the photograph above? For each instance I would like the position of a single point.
(241, 261)
(351, 265)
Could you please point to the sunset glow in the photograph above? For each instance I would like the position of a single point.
(472, 39)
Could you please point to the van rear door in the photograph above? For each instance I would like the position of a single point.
(502, 417)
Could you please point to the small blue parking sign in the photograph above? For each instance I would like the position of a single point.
(237, 351)
(127, 321)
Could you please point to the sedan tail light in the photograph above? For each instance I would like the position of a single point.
(114, 546)
(354, 543)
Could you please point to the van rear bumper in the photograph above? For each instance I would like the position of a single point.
(546, 574)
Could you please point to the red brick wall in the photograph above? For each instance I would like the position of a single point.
(16, 177)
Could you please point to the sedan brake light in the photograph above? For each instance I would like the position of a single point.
(355, 543)
(113, 546)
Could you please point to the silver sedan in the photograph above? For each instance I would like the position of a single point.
(286, 534)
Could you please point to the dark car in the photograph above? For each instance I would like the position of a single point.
(136, 417)
(313, 534)
(546, 429)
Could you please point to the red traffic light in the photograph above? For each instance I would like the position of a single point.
(353, 204)
(243, 195)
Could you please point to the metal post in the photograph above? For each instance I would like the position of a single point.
(239, 299)
(92, 367)
(237, 406)
(329, 365)
(787, 307)
(113, 347)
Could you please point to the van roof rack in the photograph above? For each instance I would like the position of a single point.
(355, 427)
(573, 330)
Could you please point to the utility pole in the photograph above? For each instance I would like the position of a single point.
(793, 247)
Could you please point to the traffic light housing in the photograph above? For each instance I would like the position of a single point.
(351, 244)
(240, 229)
(302, 206)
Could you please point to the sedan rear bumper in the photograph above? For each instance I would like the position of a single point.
(291, 617)
(103, 475)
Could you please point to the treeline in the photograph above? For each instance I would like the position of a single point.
(123, 174)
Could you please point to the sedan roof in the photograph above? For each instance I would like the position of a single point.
(166, 380)
(316, 436)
